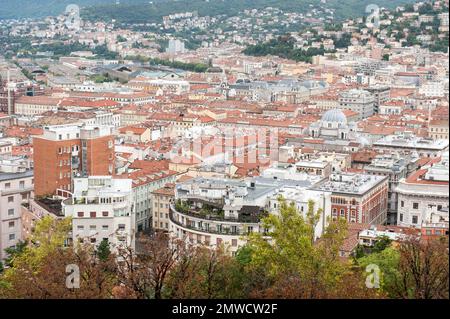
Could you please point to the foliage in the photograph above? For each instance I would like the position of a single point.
(39, 270)
(284, 47)
(387, 260)
(181, 206)
(314, 269)
(14, 251)
(206, 274)
(103, 250)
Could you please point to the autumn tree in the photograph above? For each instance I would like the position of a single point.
(144, 273)
(423, 269)
(206, 273)
(39, 271)
(292, 263)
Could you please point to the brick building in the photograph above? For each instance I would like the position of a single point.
(65, 151)
(358, 198)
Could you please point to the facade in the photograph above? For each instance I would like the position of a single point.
(65, 151)
(421, 191)
(358, 198)
(215, 212)
(395, 168)
(16, 188)
(380, 94)
(359, 101)
(314, 167)
(162, 198)
(438, 129)
(102, 208)
(143, 186)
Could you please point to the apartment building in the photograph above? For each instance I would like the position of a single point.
(216, 212)
(359, 198)
(102, 208)
(162, 198)
(438, 129)
(421, 191)
(359, 101)
(16, 188)
(65, 151)
(395, 168)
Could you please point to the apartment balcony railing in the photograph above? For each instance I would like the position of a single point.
(226, 229)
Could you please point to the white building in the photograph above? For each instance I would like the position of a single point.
(102, 209)
(360, 101)
(16, 187)
(433, 88)
(300, 197)
(422, 190)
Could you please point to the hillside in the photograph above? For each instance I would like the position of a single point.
(145, 11)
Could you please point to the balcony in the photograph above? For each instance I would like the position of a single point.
(19, 190)
(210, 230)
(226, 225)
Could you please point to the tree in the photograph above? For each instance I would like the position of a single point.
(144, 274)
(103, 250)
(14, 251)
(381, 244)
(39, 271)
(207, 274)
(424, 269)
(388, 262)
(296, 266)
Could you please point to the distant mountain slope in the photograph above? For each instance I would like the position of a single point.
(12, 9)
(142, 11)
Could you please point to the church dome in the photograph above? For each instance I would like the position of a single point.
(334, 115)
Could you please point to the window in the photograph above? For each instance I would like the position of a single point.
(402, 204)
(234, 242)
(92, 227)
(414, 219)
(80, 227)
(105, 214)
(401, 217)
(7, 185)
(437, 232)
(93, 214)
(80, 214)
(342, 213)
(11, 224)
(12, 236)
(10, 199)
(11, 212)
(121, 227)
(415, 205)
(93, 240)
(105, 227)
(428, 232)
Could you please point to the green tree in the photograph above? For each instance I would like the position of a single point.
(14, 251)
(388, 262)
(381, 244)
(103, 250)
(293, 255)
